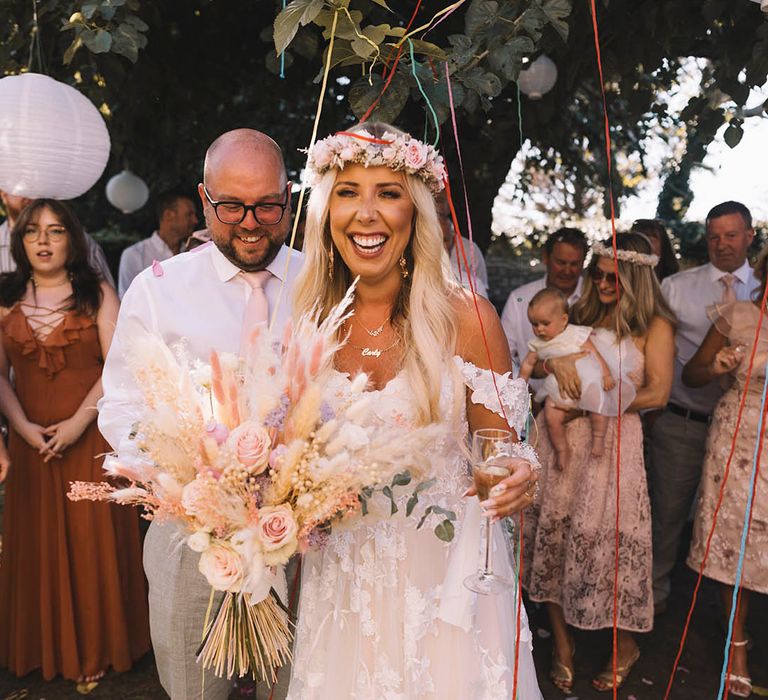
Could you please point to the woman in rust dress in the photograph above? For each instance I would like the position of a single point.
(72, 589)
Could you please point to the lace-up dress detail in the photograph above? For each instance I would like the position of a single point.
(72, 592)
(383, 612)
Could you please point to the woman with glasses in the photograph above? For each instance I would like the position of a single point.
(72, 592)
(570, 533)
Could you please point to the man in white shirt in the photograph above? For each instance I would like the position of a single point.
(201, 297)
(13, 204)
(564, 254)
(474, 255)
(679, 435)
(176, 219)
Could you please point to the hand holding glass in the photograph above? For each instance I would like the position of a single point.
(491, 464)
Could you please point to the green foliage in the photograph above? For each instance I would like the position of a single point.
(172, 76)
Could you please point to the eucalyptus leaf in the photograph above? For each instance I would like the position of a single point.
(557, 11)
(89, 9)
(401, 479)
(445, 531)
(69, 54)
(413, 501)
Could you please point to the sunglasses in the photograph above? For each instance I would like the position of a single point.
(598, 276)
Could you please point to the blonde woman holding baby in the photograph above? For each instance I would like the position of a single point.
(570, 530)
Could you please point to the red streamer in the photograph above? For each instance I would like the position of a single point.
(618, 298)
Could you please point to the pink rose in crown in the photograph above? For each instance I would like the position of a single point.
(348, 153)
(251, 444)
(416, 154)
(222, 566)
(277, 531)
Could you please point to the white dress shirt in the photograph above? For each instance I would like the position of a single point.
(517, 327)
(201, 298)
(138, 257)
(96, 256)
(476, 263)
(690, 293)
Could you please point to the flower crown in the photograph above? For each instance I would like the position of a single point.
(395, 151)
(630, 256)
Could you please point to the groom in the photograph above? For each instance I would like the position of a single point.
(202, 297)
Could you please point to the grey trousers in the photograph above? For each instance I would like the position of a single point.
(178, 599)
(677, 453)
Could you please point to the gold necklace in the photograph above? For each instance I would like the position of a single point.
(373, 333)
(365, 351)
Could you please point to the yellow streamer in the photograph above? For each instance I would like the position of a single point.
(326, 71)
(426, 26)
(365, 38)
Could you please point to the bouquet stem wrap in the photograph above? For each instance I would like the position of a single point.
(247, 637)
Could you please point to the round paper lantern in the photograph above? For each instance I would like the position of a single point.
(538, 78)
(127, 192)
(53, 141)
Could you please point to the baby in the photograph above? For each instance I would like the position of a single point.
(555, 337)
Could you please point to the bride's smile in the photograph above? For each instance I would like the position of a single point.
(371, 215)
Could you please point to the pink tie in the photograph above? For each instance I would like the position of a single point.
(729, 293)
(257, 309)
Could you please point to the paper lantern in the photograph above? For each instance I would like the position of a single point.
(53, 141)
(538, 78)
(127, 192)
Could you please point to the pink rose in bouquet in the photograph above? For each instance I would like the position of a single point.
(222, 566)
(277, 531)
(252, 445)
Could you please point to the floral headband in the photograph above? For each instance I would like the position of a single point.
(395, 151)
(630, 256)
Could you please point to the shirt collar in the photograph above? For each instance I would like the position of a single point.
(576, 292)
(227, 270)
(743, 274)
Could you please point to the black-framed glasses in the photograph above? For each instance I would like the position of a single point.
(265, 213)
(598, 276)
(32, 234)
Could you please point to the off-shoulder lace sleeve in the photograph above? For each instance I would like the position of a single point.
(513, 393)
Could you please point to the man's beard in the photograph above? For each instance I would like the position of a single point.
(230, 253)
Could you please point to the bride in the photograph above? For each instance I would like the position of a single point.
(383, 613)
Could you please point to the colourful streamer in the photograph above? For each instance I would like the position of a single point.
(617, 521)
(736, 598)
(424, 95)
(303, 190)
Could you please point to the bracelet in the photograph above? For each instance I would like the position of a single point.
(546, 369)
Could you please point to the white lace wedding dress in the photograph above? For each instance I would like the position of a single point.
(383, 612)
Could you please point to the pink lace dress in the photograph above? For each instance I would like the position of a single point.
(737, 322)
(383, 612)
(569, 533)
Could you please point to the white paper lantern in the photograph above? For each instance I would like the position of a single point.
(538, 78)
(53, 141)
(127, 192)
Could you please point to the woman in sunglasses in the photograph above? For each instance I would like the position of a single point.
(72, 591)
(570, 529)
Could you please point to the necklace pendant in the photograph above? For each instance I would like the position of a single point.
(370, 352)
(375, 333)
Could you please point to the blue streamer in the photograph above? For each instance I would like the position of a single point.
(744, 534)
(282, 56)
(424, 95)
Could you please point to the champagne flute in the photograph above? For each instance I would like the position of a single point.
(491, 448)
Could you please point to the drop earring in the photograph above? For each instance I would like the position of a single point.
(330, 261)
(403, 267)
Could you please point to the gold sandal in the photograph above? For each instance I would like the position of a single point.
(560, 674)
(604, 680)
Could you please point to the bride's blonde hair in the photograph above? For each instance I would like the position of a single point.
(424, 313)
